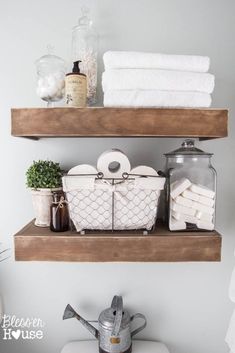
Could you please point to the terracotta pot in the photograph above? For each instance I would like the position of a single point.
(42, 199)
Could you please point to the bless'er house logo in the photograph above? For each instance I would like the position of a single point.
(21, 328)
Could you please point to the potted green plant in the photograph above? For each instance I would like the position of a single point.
(43, 177)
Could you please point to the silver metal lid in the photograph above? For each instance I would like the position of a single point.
(188, 149)
(107, 318)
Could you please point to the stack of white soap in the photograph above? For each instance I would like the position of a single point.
(191, 203)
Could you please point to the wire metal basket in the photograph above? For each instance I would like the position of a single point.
(98, 203)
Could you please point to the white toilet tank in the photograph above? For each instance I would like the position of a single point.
(92, 347)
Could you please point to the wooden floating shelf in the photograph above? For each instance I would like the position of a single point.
(119, 122)
(40, 244)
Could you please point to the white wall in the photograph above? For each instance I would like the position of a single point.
(186, 303)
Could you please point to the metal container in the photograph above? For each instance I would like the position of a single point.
(114, 327)
(127, 203)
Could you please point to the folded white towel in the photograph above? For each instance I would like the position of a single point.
(154, 98)
(140, 60)
(164, 80)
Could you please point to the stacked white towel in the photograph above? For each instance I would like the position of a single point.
(135, 79)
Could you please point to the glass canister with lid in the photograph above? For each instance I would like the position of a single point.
(85, 48)
(191, 188)
(51, 71)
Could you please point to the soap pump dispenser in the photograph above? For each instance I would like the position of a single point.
(76, 87)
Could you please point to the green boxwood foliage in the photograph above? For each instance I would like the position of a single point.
(44, 175)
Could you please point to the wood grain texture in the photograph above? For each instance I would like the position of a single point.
(39, 244)
(119, 122)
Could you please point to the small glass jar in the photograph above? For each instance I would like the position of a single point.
(191, 188)
(59, 216)
(85, 48)
(51, 70)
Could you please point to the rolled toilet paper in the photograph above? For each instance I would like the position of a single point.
(147, 183)
(150, 183)
(113, 163)
(83, 169)
(75, 183)
(144, 170)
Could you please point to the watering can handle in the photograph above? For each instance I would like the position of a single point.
(138, 316)
(117, 305)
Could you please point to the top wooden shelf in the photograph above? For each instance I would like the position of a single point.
(119, 122)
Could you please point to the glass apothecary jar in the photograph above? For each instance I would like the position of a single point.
(191, 188)
(85, 48)
(51, 70)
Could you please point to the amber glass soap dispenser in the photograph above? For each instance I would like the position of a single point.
(76, 87)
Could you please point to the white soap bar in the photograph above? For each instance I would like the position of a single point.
(178, 186)
(206, 201)
(200, 207)
(205, 225)
(204, 216)
(190, 195)
(182, 209)
(177, 225)
(182, 217)
(183, 201)
(202, 190)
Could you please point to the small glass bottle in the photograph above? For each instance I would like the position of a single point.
(191, 188)
(59, 221)
(85, 48)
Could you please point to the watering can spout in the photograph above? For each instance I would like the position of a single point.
(70, 313)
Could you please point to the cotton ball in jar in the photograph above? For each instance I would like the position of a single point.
(51, 87)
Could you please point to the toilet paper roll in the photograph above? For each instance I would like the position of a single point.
(83, 169)
(147, 183)
(113, 163)
(77, 183)
(144, 170)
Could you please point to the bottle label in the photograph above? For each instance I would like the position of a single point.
(76, 90)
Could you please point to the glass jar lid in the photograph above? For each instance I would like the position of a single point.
(188, 149)
(50, 59)
(84, 22)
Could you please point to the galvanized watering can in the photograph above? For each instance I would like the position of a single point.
(114, 332)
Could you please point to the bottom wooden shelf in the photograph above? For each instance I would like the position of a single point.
(40, 244)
